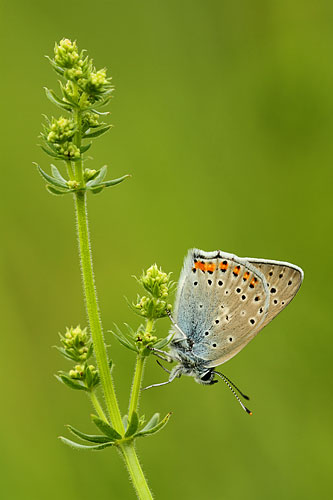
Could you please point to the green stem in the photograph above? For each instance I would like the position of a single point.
(140, 362)
(134, 468)
(93, 313)
(90, 294)
(96, 404)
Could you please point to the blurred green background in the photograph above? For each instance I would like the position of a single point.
(223, 114)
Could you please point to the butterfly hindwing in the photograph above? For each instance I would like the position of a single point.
(223, 301)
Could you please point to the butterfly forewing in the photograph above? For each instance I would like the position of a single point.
(223, 301)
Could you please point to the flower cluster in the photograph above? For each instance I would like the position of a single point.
(159, 285)
(77, 346)
(81, 73)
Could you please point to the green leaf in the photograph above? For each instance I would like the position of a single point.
(57, 174)
(52, 180)
(156, 428)
(85, 148)
(57, 191)
(124, 339)
(97, 190)
(70, 382)
(133, 425)
(96, 133)
(162, 342)
(56, 100)
(78, 446)
(59, 70)
(152, 422)
(88, 437)
(49, 152)
(114, 182)
(106, 428)
(125, 421)
(99, 177)
(66, 354)
(100, 113)
(98, 187)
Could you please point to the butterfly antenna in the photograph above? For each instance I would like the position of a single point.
(235, 386)
(234, 393)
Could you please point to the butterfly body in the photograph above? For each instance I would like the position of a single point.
(222, 302)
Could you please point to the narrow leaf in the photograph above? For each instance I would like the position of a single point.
(57, 175)
(56, 100)
(97, 190)
(155, 429)
(59, 70)
(152, 422)
(88, 437)
(96, 133)
(133, 425)
(73, 384)
(101, 113)
(48, 152)
(123, 340)
(106, 428)
(78, 446)
(99, 177)
(162, 343)
(114, 182)
(56, 191)
(52, 180)
(125, 421)
(85, 148)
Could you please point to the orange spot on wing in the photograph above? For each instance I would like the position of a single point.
(236, 270)
(210, 267)
(253, 282)
(246, 276)
(224, 265)
(200, 265)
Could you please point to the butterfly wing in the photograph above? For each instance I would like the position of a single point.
(283, 281)
(223, 301)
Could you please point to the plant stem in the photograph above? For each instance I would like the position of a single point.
(96, 404)
(140, 362)
(134, 468)
(90, 295)
(93, 313)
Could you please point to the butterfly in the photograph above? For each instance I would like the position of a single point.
(222, 302)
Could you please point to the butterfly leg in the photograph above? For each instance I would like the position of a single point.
(161, 354)
(165, 369)
(176, 372)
